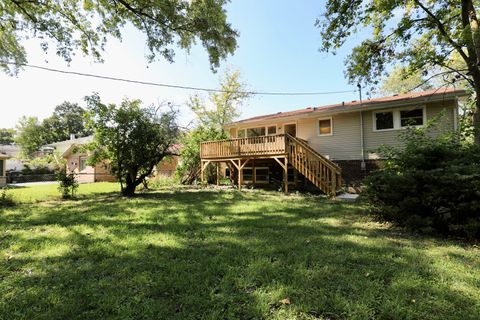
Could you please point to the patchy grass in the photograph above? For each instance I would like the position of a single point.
(206, 254)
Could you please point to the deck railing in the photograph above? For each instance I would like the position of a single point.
(251, 146)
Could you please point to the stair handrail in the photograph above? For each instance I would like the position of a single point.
(328, 162)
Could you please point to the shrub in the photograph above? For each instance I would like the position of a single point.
(6, 199)
(67, 184)
(432, 184)
(189, 168)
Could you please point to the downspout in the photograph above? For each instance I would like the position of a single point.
(363, 166)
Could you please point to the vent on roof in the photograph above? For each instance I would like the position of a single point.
(354, 100)
(309, 108)
(278, 112)
(395, 95)
(343, 103)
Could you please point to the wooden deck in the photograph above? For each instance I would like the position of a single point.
(264, 146)
(283, 148)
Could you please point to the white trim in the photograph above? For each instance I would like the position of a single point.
(80, 158)
(331, 127)
(254, 127)
(397, 124)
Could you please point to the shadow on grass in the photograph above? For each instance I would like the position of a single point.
(216, 255)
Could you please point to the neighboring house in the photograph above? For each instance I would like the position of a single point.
(3, 165)
(76, 160)
(329, 144)
(13, 151)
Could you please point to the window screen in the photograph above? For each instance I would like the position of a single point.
(256, 132)
(261, 174)
(411, 117)
(247, 174)
(83, 163)
(241, 133)
(325, 126)
(272, 130)
(384, 120)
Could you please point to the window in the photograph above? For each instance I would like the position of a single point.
(411, 117)
(247, 175)
(261, 174)
(256, 132)
(241, 133)
(384, 120)
(272, 130)
(83, 163)
(398, 119)
(227, 172)
(325, 127)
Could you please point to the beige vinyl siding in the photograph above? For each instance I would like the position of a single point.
(374, 139)
(343, 144)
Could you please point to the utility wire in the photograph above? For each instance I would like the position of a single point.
(172, 85)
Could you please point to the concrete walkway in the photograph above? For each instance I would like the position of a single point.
(27, 184)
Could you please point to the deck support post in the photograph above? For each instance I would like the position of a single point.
(285, 175)
(254, 175)
(202, 175)
(240, 175)
(218, 173)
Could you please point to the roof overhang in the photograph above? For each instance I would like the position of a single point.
(367, 105)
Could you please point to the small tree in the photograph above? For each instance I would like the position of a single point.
(189, 168)
(132, 138)
(67, 184)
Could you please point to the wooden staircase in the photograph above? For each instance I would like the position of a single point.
(322, 172)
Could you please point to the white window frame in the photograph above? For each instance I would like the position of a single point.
(84, 158)
(331, 127)
(397, 124)
(264, 126)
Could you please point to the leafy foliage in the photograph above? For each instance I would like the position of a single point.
(402, 80)
(6, 198)
(85, 26)
(222, 107)
(188, 170)
(67, 184)
(421, 35)
(7, 136)
(131, 138)
(30, 135)
(432, 184)
(67, 118)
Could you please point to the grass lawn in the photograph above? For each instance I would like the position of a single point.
(205, 254)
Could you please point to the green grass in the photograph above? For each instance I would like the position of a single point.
(36, 193)
(204, 254)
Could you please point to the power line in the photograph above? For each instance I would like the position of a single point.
(172, 85)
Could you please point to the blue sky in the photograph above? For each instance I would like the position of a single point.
(277, 51)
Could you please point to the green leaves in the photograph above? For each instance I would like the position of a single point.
(85, 26)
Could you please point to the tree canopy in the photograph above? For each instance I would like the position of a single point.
(84, 26)
(7, 136)
(67, 118)
(421, 35)
(132, 139)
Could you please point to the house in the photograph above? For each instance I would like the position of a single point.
(14, 152)
(3, 166)
(326, 145)
(76, 161)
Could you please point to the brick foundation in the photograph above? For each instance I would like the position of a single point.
(352, 172)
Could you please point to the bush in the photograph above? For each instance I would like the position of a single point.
(67, 184)
(430, 185)
(189, 169)
(6, 199)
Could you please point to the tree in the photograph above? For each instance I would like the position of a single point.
(30, 135)
(222, 107)
(67, 118)
(401, 80)
(420, 34)
(85, 25)
(131, 138)
(7, 136)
